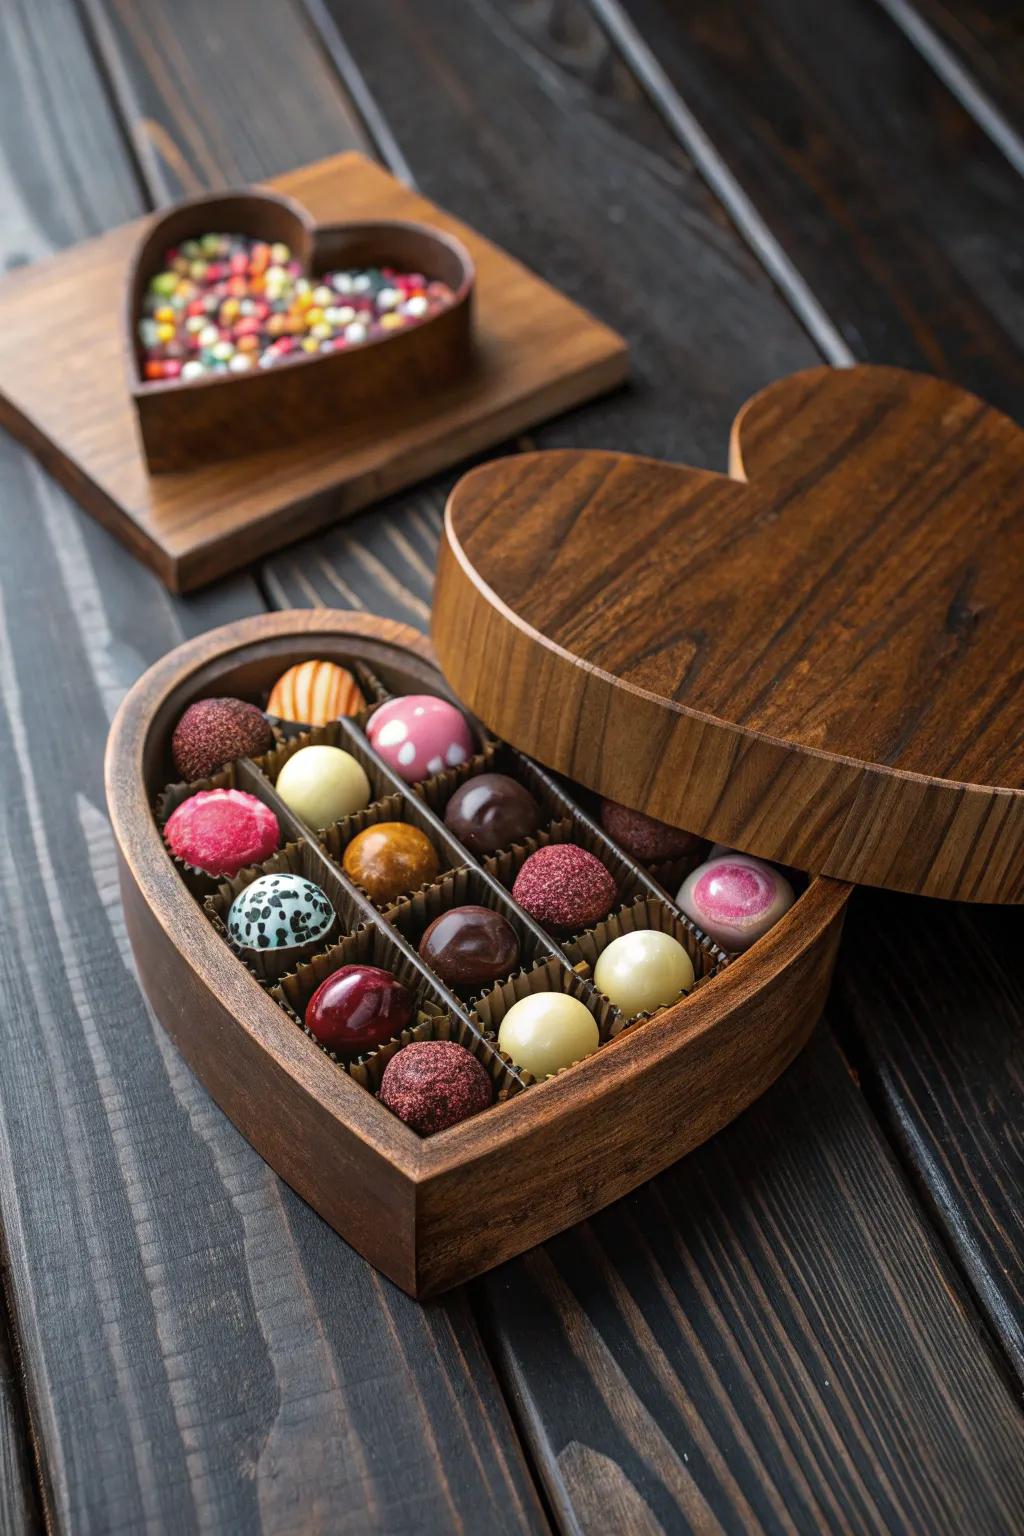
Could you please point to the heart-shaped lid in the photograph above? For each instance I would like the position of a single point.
(821, 665)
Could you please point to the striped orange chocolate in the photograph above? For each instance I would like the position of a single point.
(314, 692)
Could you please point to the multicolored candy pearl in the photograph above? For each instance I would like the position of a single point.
(227, 304)
(735, 899)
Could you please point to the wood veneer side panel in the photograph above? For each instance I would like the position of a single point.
(357, 1191)
(610, 1131)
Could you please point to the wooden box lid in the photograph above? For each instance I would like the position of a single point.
(821, 665)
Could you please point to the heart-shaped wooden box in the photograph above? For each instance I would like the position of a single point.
(189, 422)
(431, 1212)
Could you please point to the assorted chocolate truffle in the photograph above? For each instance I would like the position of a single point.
(735, 899)
(433, 1084)
(390, 859)
(644, 838)
(358, 1008)
(220, 831)
(314, 693)
(279, 912)
(491, 811)
(565, 887)
(322, 785)
(213, 732)
(470, 946)
(642, 971)
(547, 1031)
(419, 735)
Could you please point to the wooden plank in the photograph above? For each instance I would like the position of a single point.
(776, 1356)
(765, 1338)
(179, 74)
(19, 1507)
(933, 1026)
(876, 183)
(984, 40)
(199, 1350)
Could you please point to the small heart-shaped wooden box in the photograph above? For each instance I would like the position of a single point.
(185, 423)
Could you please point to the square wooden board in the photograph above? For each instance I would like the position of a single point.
(64, 393)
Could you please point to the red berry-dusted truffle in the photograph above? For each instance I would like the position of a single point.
(433, 1084)
(213, 732)
(644, 837)
(220, 831)
(564, 886)
(358, 1008)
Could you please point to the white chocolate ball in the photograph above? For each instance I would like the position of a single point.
(642, 971)
(548, 1031)
(735, 899)
(323, 784)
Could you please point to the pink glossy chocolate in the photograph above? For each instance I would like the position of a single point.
(419, 735)
(735, 899)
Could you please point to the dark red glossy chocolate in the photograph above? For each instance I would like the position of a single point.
(469, 946)
(491, 811)
(358, 1008)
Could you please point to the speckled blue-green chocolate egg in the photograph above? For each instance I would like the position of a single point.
(279, 911)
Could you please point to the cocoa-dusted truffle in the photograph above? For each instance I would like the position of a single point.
(564, 886)
(213, 732)
(644, 837)
(433, 1084)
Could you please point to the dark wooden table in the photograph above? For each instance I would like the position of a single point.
(814, 1323)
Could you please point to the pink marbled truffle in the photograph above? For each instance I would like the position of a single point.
(419, 735)
(735, 899)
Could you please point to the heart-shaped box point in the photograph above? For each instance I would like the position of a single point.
(188, 421)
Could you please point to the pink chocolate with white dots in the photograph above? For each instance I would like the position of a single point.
(735, 899)
(419, 735)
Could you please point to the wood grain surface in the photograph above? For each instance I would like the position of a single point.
(841, 686)
(986, 40)
(19, 1508)
(574, 170)
(753, 1343)
(891, 201)
(933, 1027)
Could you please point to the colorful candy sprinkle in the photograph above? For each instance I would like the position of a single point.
(228, 304)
